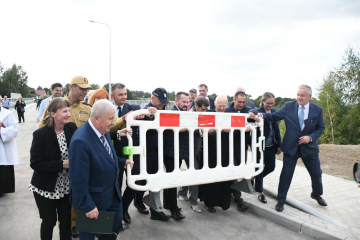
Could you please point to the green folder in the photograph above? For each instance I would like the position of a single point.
(102, 225)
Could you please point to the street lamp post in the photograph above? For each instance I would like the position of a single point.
(109, 54)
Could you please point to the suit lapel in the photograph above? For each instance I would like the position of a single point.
(125, 109)
(100, 146)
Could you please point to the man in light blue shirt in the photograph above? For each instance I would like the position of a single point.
(6, 103)
(56, 89)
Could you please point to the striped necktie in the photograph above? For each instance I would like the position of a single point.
(107, 147)
(301, 117)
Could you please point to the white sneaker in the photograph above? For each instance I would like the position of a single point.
(196, 208)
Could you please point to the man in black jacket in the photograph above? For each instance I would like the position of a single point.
(239, 106)
(159, 99)
(203, 91)
(170, 200)
(119, 95)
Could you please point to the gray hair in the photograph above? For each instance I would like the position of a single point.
(307, 87)
(101, 107)
(117, 86)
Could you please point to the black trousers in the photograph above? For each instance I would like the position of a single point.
(312, 164)
(129, 193)
(52, 210)
(269, 161)
(170, 194)
(7, 179)
(152, 168)
(21, 115)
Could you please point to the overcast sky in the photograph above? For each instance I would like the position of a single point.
(261, 45)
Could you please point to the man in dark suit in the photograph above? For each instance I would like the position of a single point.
(304, 125)
(119, 96)
(170, 198)
(249, 103)
(94, 168)
(203, 91)
(159, 99)
(239, 106)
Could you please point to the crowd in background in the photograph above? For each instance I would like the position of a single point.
(78, 162)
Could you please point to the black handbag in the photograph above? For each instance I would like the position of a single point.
(356, 171)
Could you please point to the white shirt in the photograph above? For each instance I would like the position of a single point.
(306, 112)
(42, 107)
(209, 102)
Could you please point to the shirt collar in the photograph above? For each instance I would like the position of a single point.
(98, 134)
(306, 106)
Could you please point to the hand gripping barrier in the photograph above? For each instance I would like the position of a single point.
(176, 120)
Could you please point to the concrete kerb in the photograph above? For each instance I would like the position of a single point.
(290, 222)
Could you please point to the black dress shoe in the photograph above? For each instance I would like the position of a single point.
(210, 209)
(127, 217)
(262, 198)
(279, 207)
(74, 234)
(159, 216)
(241, 206)
(319, 199)
(177, 215)
(141, 208)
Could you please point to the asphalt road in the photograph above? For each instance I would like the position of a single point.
(19, 217)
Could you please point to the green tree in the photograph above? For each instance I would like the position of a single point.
(14, 79)
(66, 89)
(94, 86)
(340, 99)
(106, 87)
(39, 88)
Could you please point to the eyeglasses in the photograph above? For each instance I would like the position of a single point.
(270, 103)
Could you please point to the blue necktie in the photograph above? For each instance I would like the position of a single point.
(301, 117)
(107, 147)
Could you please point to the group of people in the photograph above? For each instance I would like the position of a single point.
(79, 164)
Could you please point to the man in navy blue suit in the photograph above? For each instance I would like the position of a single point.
(203, 91)
(94, 168)
(304, 125)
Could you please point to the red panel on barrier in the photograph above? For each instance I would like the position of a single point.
(237, 121)
(206, 121)
(169, 120)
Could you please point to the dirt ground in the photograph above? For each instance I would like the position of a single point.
(337, 160)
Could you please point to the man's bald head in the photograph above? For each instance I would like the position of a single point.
(221, 103)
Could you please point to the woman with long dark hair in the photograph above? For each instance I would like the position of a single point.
(272, 143)
(50, 182)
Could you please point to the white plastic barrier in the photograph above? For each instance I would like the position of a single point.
(176, 120)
